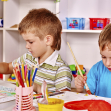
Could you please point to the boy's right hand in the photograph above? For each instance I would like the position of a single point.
(79, 82)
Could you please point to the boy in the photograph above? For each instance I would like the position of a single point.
(41, 30)
(99, 76)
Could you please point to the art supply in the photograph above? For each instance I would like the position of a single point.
(17, 81)
(29, 76)
(35, 96)
(53, 93)
(32, 71)
(36, 67)
(24, 99)
(90, 105)
(87, 88)
(25, 71)
(22, 71)
(20, 78)
(6, 94)
(53, 105)
(24, 79)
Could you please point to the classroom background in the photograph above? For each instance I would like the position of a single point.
(84, 43)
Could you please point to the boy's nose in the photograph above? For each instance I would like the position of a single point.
(27, 46)
(108, 62)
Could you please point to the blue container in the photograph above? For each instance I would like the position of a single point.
(1, 22)
(75, 23)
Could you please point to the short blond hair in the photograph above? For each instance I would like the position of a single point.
(42, 22)
(105, 37)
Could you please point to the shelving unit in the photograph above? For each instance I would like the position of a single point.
(82, 31)
(84, 43)
(12, 44)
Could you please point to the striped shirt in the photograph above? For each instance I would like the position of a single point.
(53, 70)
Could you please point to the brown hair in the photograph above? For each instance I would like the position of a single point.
(105, 37)
(42, 22)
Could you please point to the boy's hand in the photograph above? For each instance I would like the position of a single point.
(79, 82)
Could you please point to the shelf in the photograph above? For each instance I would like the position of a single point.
(14, 29)
(1, 28)
(82, 31)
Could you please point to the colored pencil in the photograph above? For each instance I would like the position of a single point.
(87, 88)
(22, 71)
(24, 79)
(29, 76)
(25, 71)
(17, 81)
(20, 78)
(36, 67)
(32, 71)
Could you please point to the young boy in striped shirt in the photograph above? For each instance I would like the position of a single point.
(41, 30)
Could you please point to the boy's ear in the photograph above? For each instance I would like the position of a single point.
(49, 40)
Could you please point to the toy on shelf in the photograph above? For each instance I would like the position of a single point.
(56, 1)
(75, 71)
(4, 0)
(1, 22)
(75, 23)
(1, 76)
(12, 78)
(98, 23)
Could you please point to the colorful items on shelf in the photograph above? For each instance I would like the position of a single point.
(75, 71)
(56, 1)
(1, 76)
(75, 23)
(12, 78)
(79, 23)
(98, 23)
(4, 0)
(1, 22)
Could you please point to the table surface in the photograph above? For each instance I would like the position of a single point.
(67, 96)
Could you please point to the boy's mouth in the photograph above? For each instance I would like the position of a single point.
(109, 68)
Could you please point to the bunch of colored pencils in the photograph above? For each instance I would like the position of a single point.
(24, 76)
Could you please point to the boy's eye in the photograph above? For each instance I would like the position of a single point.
(30, 42)
(103, 57)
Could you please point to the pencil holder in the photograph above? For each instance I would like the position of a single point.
(24, 99)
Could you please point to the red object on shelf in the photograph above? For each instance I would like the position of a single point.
(1, 76)
(98, 23)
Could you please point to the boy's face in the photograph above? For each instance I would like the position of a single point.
(106, 57)
(33, 43)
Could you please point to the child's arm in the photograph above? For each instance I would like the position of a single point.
(6, 68)
(37, 88)
(65, 90)
(79, 83)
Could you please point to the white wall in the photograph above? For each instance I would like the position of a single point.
(84, 45)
